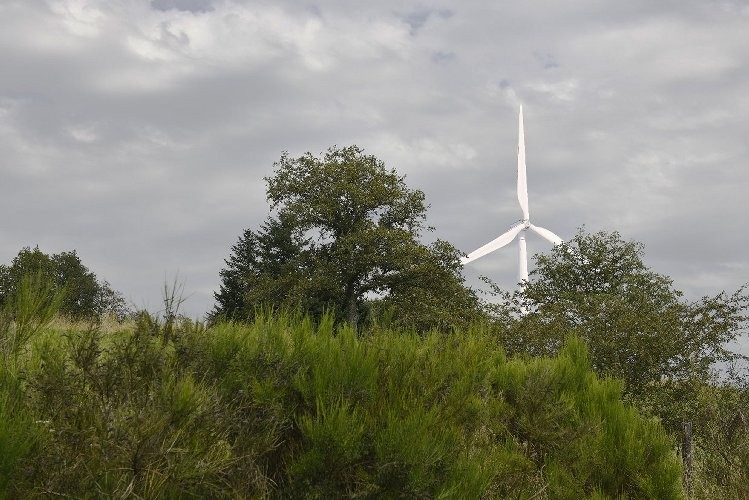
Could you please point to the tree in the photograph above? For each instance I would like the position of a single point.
(84, 296)
(344, 230)
(640, 328)
(430, 292)
(266, 267)
(637, 324)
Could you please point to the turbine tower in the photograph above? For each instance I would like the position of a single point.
(521, 227)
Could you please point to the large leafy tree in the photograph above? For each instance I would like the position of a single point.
(343, 233)
(637, 324)
(84, 295)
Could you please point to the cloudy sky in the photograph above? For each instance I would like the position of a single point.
(138, 132)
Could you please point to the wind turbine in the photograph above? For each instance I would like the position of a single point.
(521, 227)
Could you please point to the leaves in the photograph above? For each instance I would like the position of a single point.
(344, 237)
(636, 323)
(25, 313)
(85, 297)
(346, 191)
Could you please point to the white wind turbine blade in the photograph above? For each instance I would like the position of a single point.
(546, 234)
(496, 243)
(522, 180)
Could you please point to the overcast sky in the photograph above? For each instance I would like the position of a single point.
(138, 132)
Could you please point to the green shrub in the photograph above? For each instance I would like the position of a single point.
(285, 408)
(18, 434)
(24, 314)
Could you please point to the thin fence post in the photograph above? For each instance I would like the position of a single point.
(686, 455)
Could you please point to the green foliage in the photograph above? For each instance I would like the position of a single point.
(18, 432)
(344, 237)
(268, 267)
(640, 329)
(116, 417)
(635, 322)
(84, 296)
(721, 422)
(24, 314)
(284, 407)
(430, 292)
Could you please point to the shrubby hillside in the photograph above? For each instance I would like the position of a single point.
(283, 407)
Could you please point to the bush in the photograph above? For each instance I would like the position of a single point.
(283, 407)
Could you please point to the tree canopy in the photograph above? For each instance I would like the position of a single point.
(83, 294)
(637, 324)
(343, 233)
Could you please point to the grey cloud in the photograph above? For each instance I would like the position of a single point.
(416, 19)
(185, 5)
(143, 143)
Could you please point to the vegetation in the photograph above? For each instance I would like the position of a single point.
(344, 236)
(719, 412)
(83, 296)
(575, 386)
(640, 329)
(285, 408)
(636, 323)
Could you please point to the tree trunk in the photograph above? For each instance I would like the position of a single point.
(352, 308)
